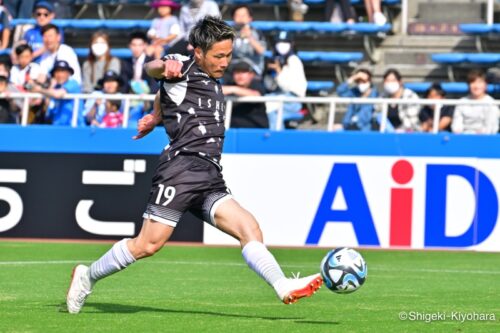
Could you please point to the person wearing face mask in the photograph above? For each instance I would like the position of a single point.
(285, 76)
(403, 117)
(359, 85)
(99, 61)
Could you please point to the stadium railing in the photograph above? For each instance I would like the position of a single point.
(331, 102)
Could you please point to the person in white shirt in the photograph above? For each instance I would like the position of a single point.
(57, 51)
(481, 119)
(285, 77)
(25, 72)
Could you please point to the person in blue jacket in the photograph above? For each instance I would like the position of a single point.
(358, 116)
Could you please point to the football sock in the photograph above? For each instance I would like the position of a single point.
(262, 262)
(117, 258)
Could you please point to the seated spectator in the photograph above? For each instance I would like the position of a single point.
(113, 117)
(358, 116)
(245, 83)
(94, 109)
(133, 73)
(249, 43)
(44, 14)
(98, 62)
(374, 12)
(165, 31)
(426, 114)
(476, 118)
(285, 77)
(26, 72)
(9, 109)
(403, 117)
(54, 50)
(338, 11)
(60, 110)
(5, 19)
(191, 13)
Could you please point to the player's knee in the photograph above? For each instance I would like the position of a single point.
(251, 231)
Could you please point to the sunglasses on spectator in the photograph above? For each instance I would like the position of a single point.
(38, 14)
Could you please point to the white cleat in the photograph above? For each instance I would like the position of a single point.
(291, 290)
(79, 289)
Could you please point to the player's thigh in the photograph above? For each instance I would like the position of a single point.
(236, 221)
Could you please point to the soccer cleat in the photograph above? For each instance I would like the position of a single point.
(79, 289)
(291, 290)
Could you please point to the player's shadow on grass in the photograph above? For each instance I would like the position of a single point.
(122, 308)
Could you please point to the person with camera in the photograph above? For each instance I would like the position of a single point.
(285, 76)
(248, 43)
(60, 109)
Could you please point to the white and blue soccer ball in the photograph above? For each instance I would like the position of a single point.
(343, 270)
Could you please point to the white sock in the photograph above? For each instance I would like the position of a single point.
(262, 262)
(116, 259)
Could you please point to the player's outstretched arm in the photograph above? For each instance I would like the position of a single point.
(147, 123)
(164, 69)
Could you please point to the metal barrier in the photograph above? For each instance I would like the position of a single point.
(332, 102)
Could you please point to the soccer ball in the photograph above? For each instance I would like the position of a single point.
(343, 270)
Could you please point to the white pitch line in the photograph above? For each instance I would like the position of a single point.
(235, 264)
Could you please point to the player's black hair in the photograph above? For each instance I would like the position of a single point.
(436, 86)
(209, 31)
(48, 27)
(242, 6)
(138, 35)
(21, 48)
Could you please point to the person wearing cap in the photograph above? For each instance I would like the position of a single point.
(60, 109)
(55, 50)
(43, 12)
(285, 77)
(94, 109)
(98, 61)
(245, 83)
(165, 31)
(248, 43)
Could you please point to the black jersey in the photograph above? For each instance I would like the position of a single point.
(193, 112)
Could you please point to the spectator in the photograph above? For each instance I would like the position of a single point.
(54, 50)
(404, 117)
(94, 109)
(26, 72)
(113, 117)
(374, 12)
(337, 11)
(426, 115)
(358, 116)
(285, 77)
(133, 71)
(44, 14)
(5, 19)
(60, 110)
(98, 62)
(9, 110)
(476, 118)
(191, 13)
(24, 76)
(249, 43)
(20, 8)
(165, 31)
(245, 83)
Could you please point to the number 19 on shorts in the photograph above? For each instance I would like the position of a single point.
(167, 193)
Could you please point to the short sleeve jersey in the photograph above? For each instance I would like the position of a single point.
(193, 112)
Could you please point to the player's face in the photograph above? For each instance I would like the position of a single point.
(216, 60)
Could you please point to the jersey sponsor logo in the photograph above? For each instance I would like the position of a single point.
(201, 74)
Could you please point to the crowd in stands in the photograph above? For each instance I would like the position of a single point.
(42, 63)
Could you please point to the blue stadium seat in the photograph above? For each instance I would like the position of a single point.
(452, 88)
(119, 53)
(384, 2)
(127, 24)
(265, 26)
(483, 58)
(327, 27)
(369, 28)
(325, 56)
(449, 58)
(475, 28)
(291, 26)
(274, 2)
(474, 58)
(314, 2)
(316, 86)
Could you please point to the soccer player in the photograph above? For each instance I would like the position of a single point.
(188, 177)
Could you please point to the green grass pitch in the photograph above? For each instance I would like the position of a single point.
(208, 289)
